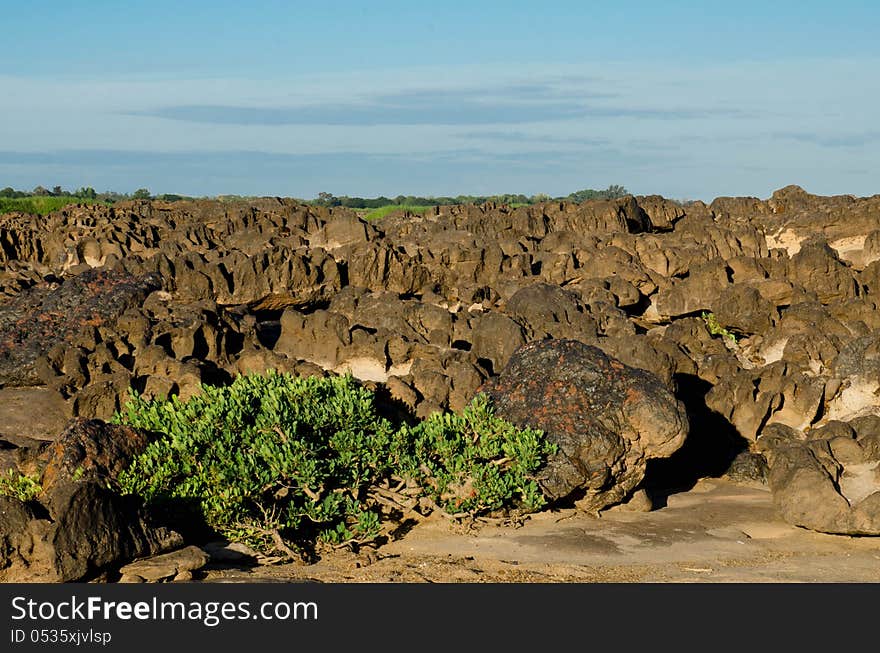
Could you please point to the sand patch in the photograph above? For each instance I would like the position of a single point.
(372, 369)
(785, 239)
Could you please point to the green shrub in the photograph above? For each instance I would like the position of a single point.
(474, 462)
(271, 460)
(20, 486)
(715, 327)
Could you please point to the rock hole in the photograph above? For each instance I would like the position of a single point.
(234, 342)
(164, 341)
(711, 446)
(127, 361)
(200, 345)
(486, 364)
(342, 268)
(268, 333)
(639, 308)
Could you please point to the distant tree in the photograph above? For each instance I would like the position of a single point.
(57, 190)
(614, 191)
(39, 191)
(327, 199)
(8, 192)
(87, 193)
(352, 202)
(170, 197)
(141, 194)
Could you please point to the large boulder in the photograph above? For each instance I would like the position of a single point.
(829, 484)
(78, 526)
(606, 418)
(77, 530)
(89, 449)
(551, 311)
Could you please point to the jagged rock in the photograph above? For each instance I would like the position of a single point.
(831, 485)
(41, 317)
(742, 309)
(320, 337)
(91, 450)
(344, 229)
(88, 529)
(495, 338)
(166, 566)
(551, 312)
(696, 293)
(854, 387)
(607, 419)
(103, 396)
(775, 393)
(645, 353)
(663, 213)
(36, 412)
(164, 296)
(817, 267)
(748, 467)
(16, 541)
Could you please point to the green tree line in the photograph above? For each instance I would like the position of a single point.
(328, 199)
(88, 193)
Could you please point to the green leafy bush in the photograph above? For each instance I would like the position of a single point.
(271, 460)
(20, 486)
(715, 327)
(475, 462)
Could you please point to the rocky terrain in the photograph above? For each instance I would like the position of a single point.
(658, 344)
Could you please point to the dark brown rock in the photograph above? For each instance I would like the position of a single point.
(495, 338)
(91, 450)
(741, 309)
(551, 312)
(606, 418)
(88, 529)
(39, 318)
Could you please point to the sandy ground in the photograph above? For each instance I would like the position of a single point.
(716, 532)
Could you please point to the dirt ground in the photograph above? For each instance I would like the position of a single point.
(716, 532)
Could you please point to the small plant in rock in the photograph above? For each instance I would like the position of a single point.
(716, 329)
(284, 463)
(21, 486)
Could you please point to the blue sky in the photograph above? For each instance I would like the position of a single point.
(685, 99)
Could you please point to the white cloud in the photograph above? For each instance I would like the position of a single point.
(712, 126)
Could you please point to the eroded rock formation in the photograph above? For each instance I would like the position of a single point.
(761, 317)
